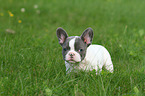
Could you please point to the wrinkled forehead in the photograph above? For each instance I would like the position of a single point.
(73, 42)
(66, 43)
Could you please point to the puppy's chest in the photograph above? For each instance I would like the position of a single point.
(84, 65)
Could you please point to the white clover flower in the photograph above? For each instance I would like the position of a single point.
(10, 31)
(35, 6)
(38, 11)
(22, 9)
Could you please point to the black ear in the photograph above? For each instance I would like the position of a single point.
(61, 35)
(87, 36)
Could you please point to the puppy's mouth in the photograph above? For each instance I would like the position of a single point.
(72, 61)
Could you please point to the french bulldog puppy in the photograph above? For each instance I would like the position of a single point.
(80, 54)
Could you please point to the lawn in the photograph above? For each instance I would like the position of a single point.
(31, 62)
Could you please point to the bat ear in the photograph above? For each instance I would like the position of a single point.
(61, 35)
(87, 36)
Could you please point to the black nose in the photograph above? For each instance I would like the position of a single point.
(71, 54)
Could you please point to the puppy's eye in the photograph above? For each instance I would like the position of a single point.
(80, 50)
(64, 49)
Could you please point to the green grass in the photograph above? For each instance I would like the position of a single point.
(31, 61)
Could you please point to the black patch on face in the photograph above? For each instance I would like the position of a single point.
(65, 46)
(80, 47)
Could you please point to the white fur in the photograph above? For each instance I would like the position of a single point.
(96, 57)
(72, 43)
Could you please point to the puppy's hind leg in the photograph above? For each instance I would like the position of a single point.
(109, 67)
(108, 63)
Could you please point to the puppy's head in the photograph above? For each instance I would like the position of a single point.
(74, 47)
